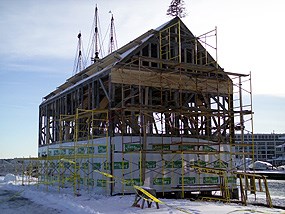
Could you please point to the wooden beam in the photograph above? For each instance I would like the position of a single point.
(170, 81)
(190, 66)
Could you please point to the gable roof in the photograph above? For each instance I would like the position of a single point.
(131, 50)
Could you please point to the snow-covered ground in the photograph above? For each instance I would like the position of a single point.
(16, 198)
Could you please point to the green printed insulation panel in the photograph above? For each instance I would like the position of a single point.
(210, 180)
(134, 181)
(173, 164)
(102, 149)
(106, 166)
(121, 165)
(132, 147)
(148, 164)
(187, 180)
(162, 181)
(161, 147)
(232, 179)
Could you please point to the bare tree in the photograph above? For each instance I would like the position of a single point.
(176, 8)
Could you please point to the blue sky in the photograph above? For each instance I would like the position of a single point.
(39, 40)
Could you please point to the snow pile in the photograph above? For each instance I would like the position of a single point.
(10, 178)
(281, 167)
(261, 165)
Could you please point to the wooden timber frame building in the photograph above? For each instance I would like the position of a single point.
(160, 110)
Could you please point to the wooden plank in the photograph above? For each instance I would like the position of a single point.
(197, 67)
(104, 103)
(170, 80)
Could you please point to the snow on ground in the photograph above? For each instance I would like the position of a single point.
(16, 198)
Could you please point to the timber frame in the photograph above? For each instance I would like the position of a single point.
(165, 73)
(162, 84)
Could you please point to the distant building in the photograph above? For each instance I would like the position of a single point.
(280, 153)
(267, 147)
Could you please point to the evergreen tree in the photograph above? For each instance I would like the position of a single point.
(176, 8)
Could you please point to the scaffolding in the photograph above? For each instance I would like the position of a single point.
(253, 183)
(159, 112)
(73, 160)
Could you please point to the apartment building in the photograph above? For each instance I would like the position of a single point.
(266, 146)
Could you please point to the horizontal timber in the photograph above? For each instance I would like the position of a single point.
(170, 81)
